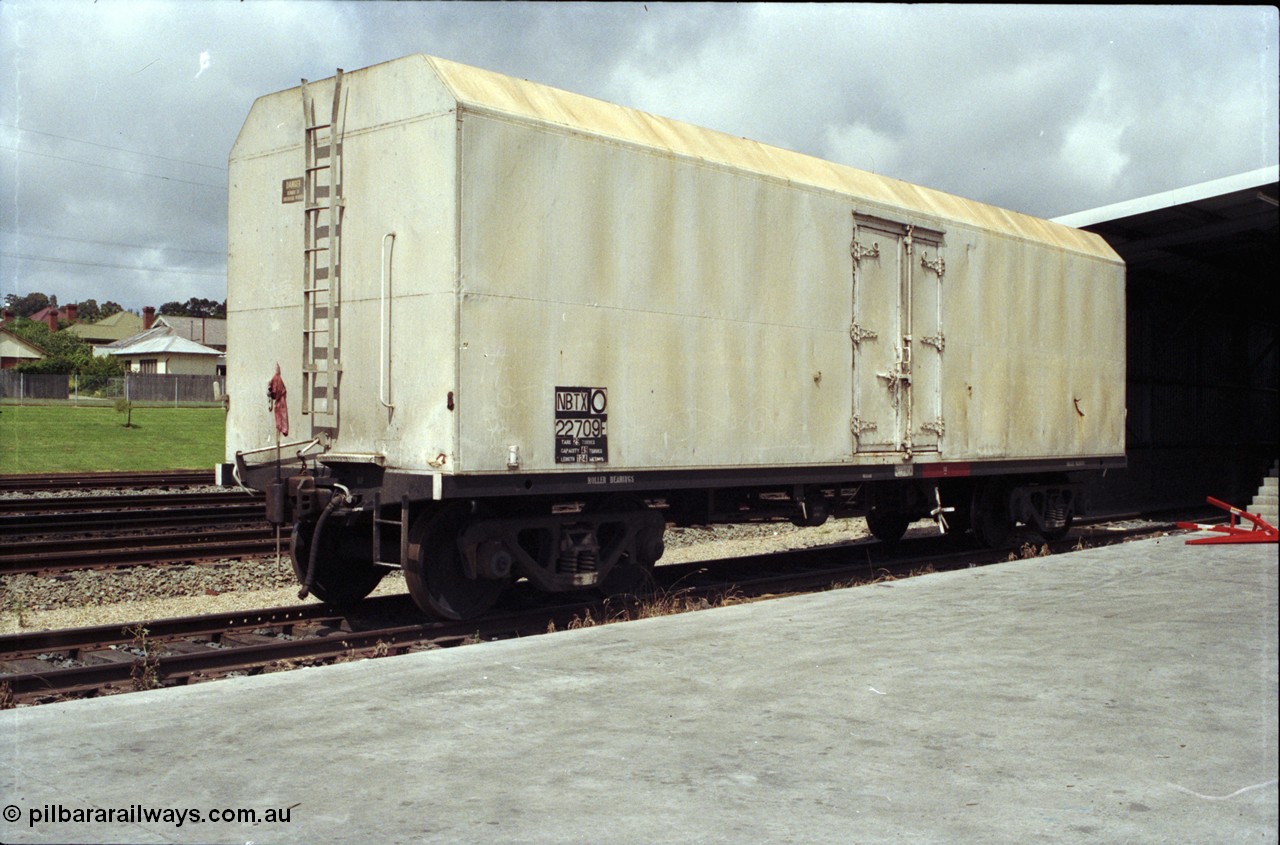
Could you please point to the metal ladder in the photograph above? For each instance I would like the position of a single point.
(401, 525)
(322, 259)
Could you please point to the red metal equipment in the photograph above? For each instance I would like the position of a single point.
(1261, 532)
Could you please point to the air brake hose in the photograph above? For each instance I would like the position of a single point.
(335, 500)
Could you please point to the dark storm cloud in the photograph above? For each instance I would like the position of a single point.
(116, 118)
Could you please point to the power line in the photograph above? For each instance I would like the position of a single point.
(113, 266)
(28, 234)
(117, 169)
(117, 149)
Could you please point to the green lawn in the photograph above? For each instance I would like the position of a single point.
(66, 438)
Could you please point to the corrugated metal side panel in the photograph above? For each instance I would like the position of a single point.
(1034, 365)
(485, 90)
(713, 307)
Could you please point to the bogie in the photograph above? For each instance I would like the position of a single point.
(459, 561)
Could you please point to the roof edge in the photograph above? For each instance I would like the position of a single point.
(1177, 196)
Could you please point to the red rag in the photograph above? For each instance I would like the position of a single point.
(276, 393)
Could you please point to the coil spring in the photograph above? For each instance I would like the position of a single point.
(578, 551)
(578, 560)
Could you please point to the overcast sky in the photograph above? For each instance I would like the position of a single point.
(116, 118)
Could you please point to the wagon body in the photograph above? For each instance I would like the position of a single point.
(537, 284)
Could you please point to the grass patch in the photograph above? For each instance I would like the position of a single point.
(66, 438)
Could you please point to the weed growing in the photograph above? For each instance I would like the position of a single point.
(650, 606)
(1029, 551)
(146, 669)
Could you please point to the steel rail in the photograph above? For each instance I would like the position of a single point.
(186, 663)
(69, 504)
(68, 481)
(75, 640)
(188, 551)
(120, 542)
(19, 525)
(396, 639)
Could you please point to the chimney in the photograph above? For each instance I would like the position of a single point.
(70, 312)
(148, 317)
(8, 316)
(51, 317)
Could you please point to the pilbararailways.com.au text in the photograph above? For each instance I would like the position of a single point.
(47, 814)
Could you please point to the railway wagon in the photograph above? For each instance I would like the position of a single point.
(521, 330)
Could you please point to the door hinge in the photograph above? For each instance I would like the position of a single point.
(939, 266)
(938, 427)
(859, 252)
(937, 341)
(858, 426)
(858, 334)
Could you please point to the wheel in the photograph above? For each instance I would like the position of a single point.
(989, 515)
(345, 573)
(435, 570)
(887, 525)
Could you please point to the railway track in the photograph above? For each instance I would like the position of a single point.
(43, 666)
(83, 532)
(123, 502)
(107, 480)
(136, 549)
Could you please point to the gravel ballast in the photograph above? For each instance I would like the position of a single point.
(107, 597)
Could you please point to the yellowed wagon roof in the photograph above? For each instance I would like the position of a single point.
(486, 90)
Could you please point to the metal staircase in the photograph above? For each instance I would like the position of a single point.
(322, 259)
(1265, 502)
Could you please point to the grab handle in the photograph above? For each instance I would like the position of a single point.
(384, 319)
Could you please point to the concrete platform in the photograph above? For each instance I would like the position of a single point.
(1118, 695)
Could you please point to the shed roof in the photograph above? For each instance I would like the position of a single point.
(163, 345)
(210, 331)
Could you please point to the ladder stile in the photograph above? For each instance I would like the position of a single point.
(322, 257)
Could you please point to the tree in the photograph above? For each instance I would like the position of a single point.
(124, 406)
(195, 307)
(25, 306)
(64, 353)
(108, 308)
(88, 311)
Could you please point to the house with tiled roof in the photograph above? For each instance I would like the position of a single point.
(118, 326)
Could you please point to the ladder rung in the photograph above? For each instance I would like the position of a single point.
(316, 126)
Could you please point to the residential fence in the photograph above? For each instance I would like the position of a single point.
(141, 388)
